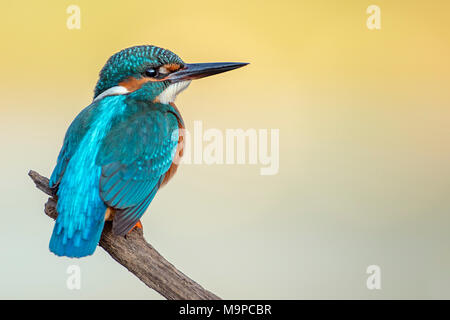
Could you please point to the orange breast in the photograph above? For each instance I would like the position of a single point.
(178, 153)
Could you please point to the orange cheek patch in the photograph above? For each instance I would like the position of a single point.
(133, 84)
(172, 67)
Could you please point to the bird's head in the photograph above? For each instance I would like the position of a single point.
(156, 74)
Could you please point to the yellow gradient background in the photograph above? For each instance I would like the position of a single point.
(364, 125)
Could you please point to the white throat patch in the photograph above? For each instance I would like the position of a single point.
(114, 91)
(170, 93)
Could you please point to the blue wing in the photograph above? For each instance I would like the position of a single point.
(81, 211)
(75, 133)
(134, 156)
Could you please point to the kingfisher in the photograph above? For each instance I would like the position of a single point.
(123, 147)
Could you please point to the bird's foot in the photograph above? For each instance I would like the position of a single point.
(137, 225)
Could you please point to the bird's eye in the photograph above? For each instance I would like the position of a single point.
(152, 73)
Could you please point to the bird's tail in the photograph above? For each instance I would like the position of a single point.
(79, 225)
(78, 245)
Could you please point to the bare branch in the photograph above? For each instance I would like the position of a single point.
(138, 256)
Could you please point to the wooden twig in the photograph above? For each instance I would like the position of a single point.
(138, 256)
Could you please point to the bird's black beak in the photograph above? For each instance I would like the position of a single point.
(200, 70)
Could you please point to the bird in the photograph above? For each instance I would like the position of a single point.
(123, 147)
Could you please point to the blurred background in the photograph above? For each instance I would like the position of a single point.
(364, 124)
